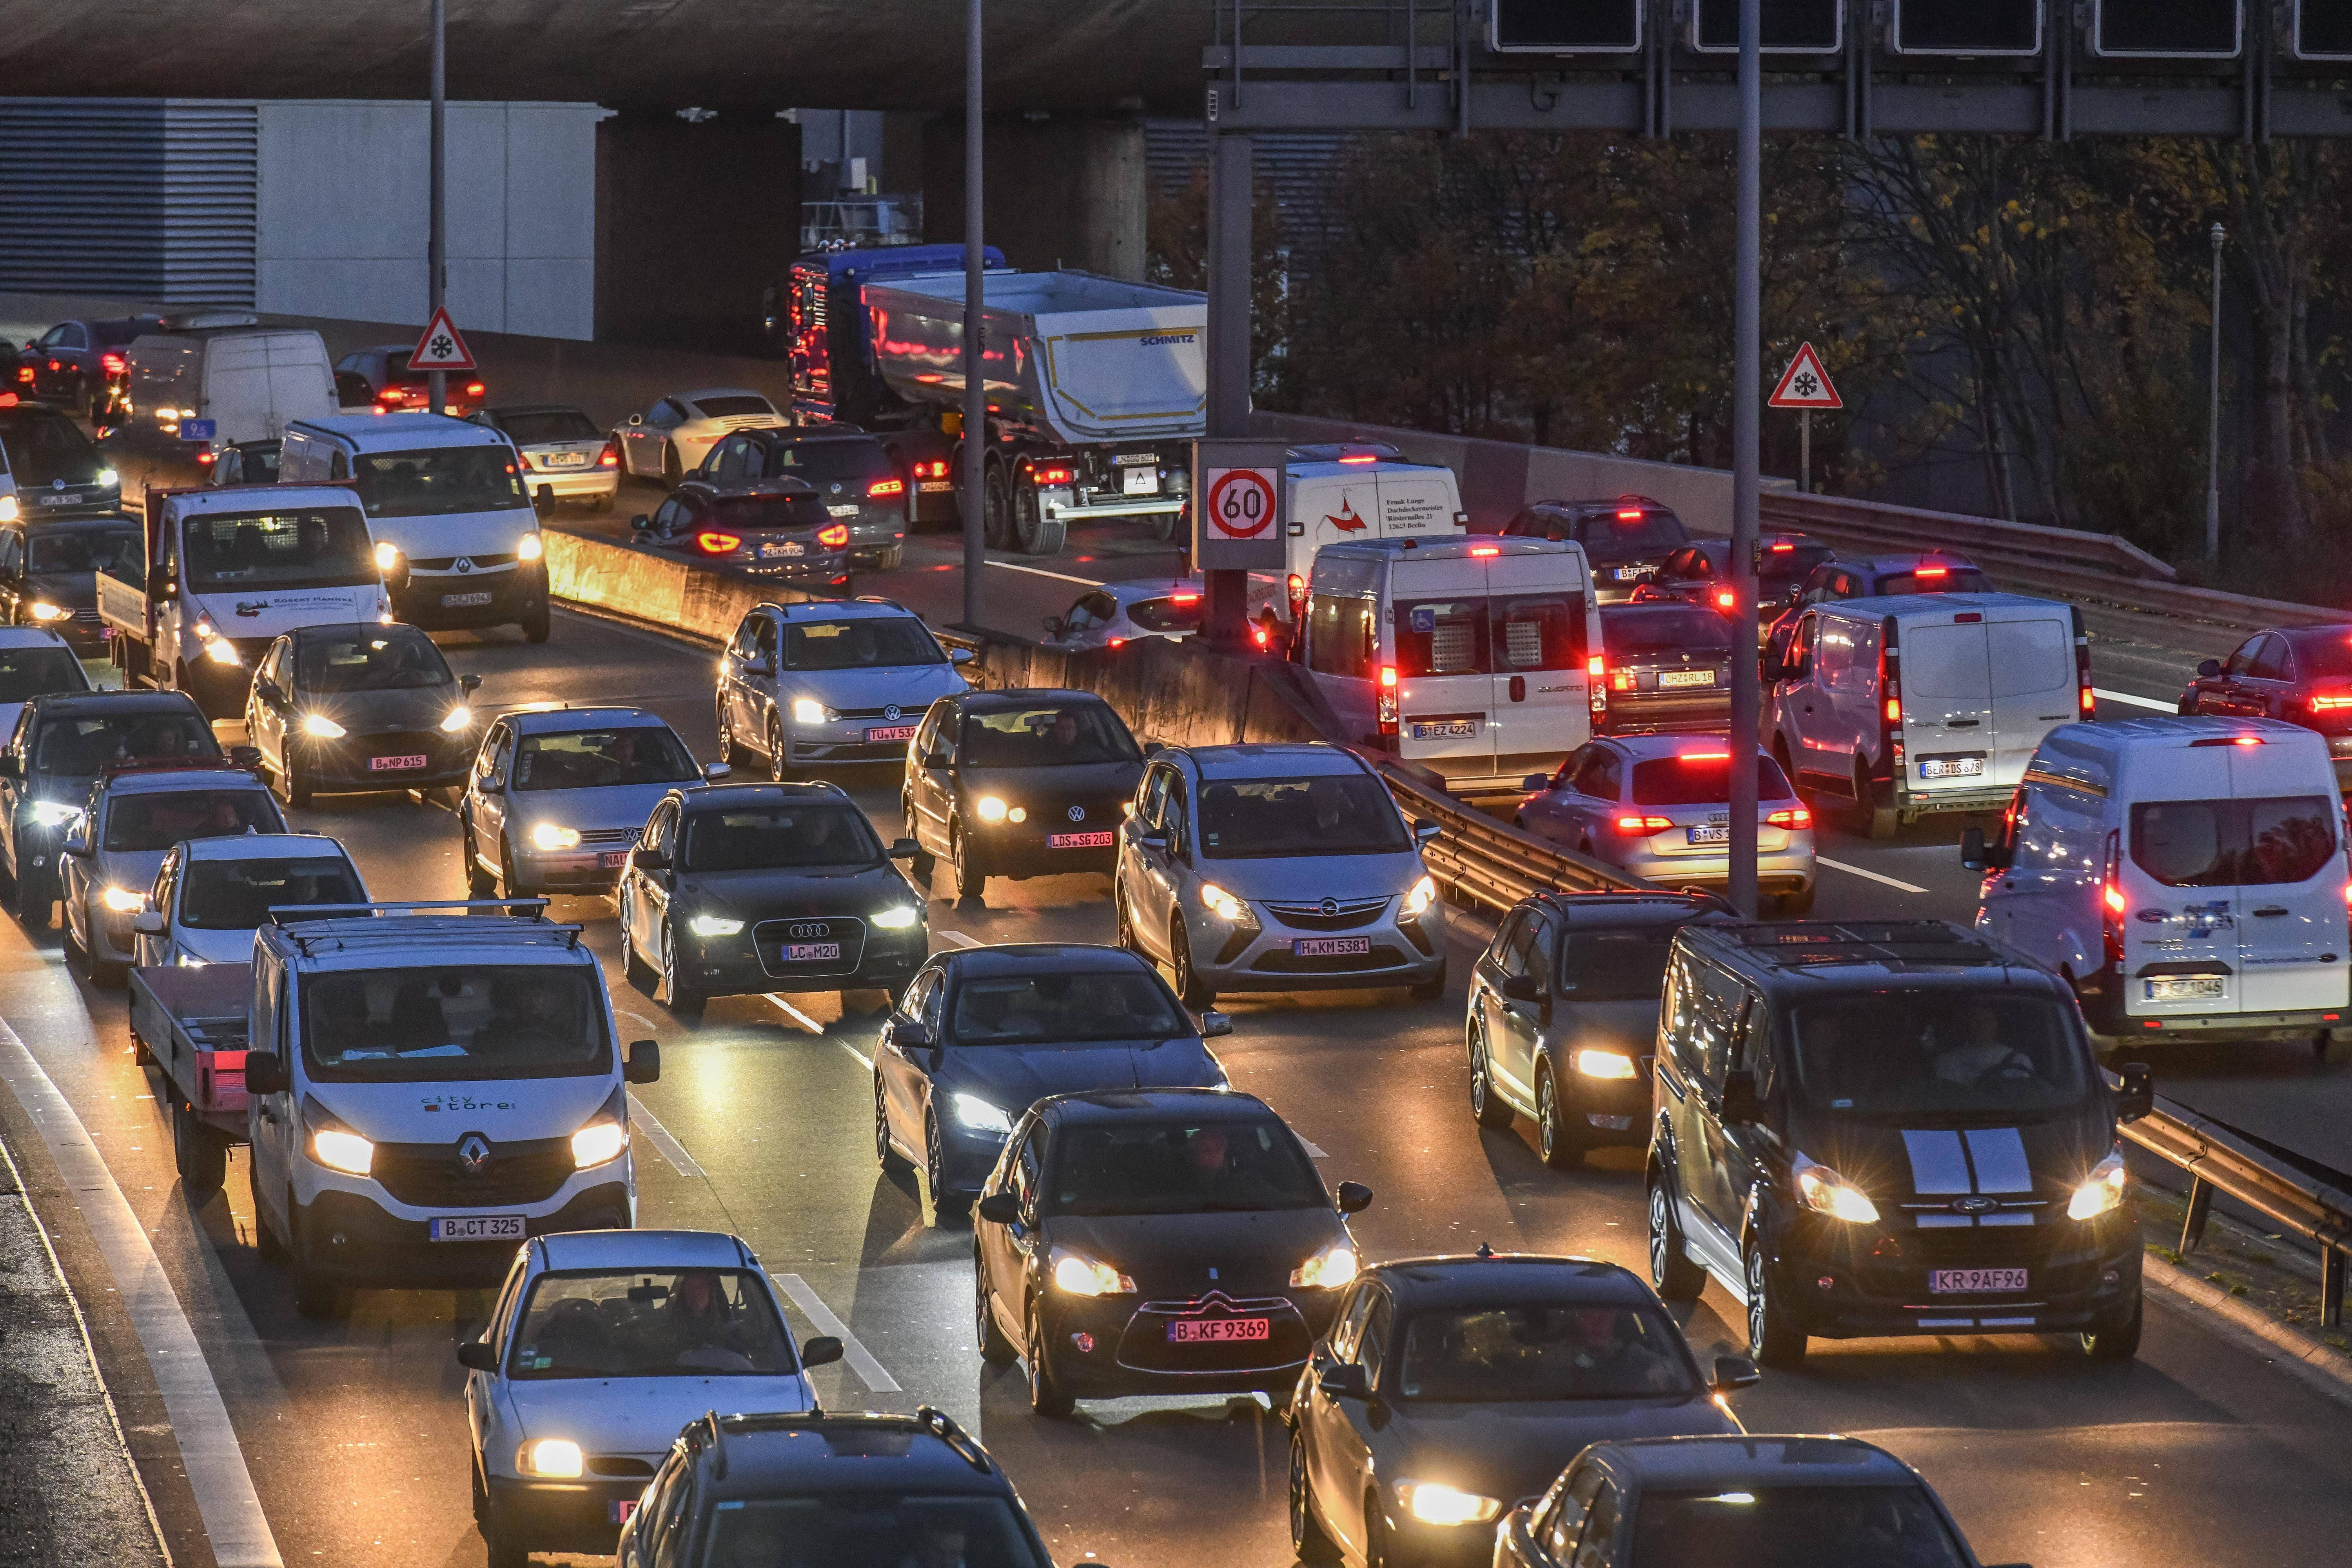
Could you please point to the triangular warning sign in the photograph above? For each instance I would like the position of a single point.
(1806, 384)
(441, 348)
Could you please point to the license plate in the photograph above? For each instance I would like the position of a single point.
(774, 548)
(611, 859)
(2185, 988)
(1686, 677)
(623, 1507)
(1627, 573)
(460, 601)
(1960, 1282)
(1077, 841)
(1142, 481)
(891, 732)
(1447, 729)
(1951, 767)
(849, 511)
(1712, 834)
(69, 499)
(475, 1227)
(1331, 947)
(394, 764)
(564, 460)
(1217, 1331)
(810, 951)
(928, 486)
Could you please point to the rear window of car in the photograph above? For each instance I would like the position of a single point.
(2233, 842)
(730, 407)
(1178, 612)
(1644, 631)
(1701, 778)
(549, 425)
(2328, 654)
(768, 511)
(1630, 531)
(823, 462)
(1936, 580)
(158, 821)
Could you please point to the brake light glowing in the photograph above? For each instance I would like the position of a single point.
(836, 536)
(1724, 599)
(2115, 896)
(526, 459)
(712, 543)
(204, 456)
(1621, 680)
(1484, 549)
(1631, 515)
(113, 363)
(1704, 757)
(1257, 635)
(24, 375)
(1385, 701)
(474, 389)
(886, 488)
(391, 394)
(1388, 678)
(1783, 548)
(2091, 702)
(1054, 475)
(610, 458)
(1118, 642)
(1297, 584)
(1594, 665)
(1363, 460)
(55, 365)
(2111, 898)
(1895, 709)
(1932, 572)
(1799, 818)
(1633, 826)
(1184, 598)
(2330, 704)
(2247, 740)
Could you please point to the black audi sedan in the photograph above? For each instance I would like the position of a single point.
(984, 1033)
(1667, 666)
(769, 528)
(341, 710)
(49, 574)
(744, 890)
(1158, 1241)
(847, 468)
(1019, 784)
(1451, 1390)
(2300, 674)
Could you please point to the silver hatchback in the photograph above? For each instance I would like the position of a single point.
(1277, 867)
(557, 796)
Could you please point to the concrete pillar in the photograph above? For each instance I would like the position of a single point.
(1066, 193)
(694, 223)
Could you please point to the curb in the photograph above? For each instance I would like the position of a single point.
(2325, 1369)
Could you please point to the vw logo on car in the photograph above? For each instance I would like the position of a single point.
(1077, 814)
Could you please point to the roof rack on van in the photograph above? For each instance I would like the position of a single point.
(1808, 945)
(927, 1419)
(422, 920)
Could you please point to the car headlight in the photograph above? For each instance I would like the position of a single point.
(9, 510)
(220, 650)
(531, 548)
(2102, 1190)
(1433, 1502)
(108, 478)
(387, 555)
(897, 919)
(53, 813)
(340, 1150)
(1423, 894)
(990, 808)
(318, 724)
(550, 835)
(713, 925)
(1223, 905)
(1328, 1271)
(1078, 1276)
(598, 1143)
(980, 1115)
(122, 900)
(549, 1456)
(461, 718)
(48, 612)
(1603, 1064)
(808, 710)
(1826, 1192)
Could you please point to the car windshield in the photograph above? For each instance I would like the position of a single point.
(1340, 814)
(649, 1323)
(549, 425)
(877, 643)
(230, 552)
(731, 407)
(455, 1024)
(1701, 778)
(592, 759)
(1628, 966)
(869, 1529)
(1542, 1350)
(1139, 1167)
(1062, 1007)
(438, 480)
(29, 672)
(77, 745)
(368, 658)
(43, 447)
(157, 819)
(1945, 579)
(238, 895)
(784, 837)
(256, 463)
(1783, 567)
(1794, 1527)
(1617, 536)
(1927, 1054)
(1057, 735)
(767, 511)
(823, 462)
(83, 550)
(1177, 613)
(1646, 631)
(2233, 842)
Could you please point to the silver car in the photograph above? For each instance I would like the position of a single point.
(1658, 807)
(213, 894)
(564, 456)
(1120, 612)
(1277, 867)
(135, 817)
(556, 797)
(830, 680)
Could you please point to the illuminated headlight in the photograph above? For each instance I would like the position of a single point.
(980, 1116)
(44, 612)
(1328, 1271)
(713, 925)
(460, 717)
(808, 710)
(53, 814)
(531, 548)
(122, 900)
(1433, 1502)
(597, 1143)
(9, 510)
(549, 1456)
(2103, 1190)
(898, 919)
(318, 724)
(1603, 1064)
(991, 808)
(108, 478)
(1826, 1192)
(1423, 894)
(1078, 1276)
(220, 650)
(338, 1150)
(1223, 905)
(548, 835)
(387, 555)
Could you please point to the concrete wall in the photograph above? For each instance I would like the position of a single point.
(1066, 193)
(344, 213)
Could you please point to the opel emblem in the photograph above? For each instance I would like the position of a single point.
(807, 931)
(1330, 906)
(891, 712)
(1976, 1204)
(473, 1153)
(1077, 814)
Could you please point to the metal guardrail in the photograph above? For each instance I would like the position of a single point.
(1908, 528)
(1491, 863)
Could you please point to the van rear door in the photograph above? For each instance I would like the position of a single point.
(2175, 881)
(2291, 921)
(2034, 683)
(1540, 614)
(1441, 643)
(1948, 704)
(1416, 502)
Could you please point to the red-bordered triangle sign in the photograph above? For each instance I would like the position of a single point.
(441, 348)
(1806, 384)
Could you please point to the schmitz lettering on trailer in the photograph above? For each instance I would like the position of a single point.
(1161, 339)
(465, 1102)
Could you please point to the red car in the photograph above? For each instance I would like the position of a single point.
(381, 376)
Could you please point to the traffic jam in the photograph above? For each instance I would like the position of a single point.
(458, 936)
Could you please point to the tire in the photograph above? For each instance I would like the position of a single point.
(199, 1151)
(1773, 1339)
(480, 884)
(537, 623)
(1033, 533)
(995, 1350)
(996, 508)
(106, 973)
(728, 752)
(677, 996)
(969, 872)
(35, 891)
(1674, 1276)
(893, 1163)
(673, 473)
(1434, 988)
(1126, 938)
(1788, 768)
(780, 751)
(891, 559)
(502, 1553)
(922, 863)
(640, 975)
(1196, 992)
(1799, 903)
(265, 1240)
(298, 788)
(2116, 1339)
(1377, 1554)
(1309, 1541)
(1487, 1107)
(1558, 1140)
(1874, 820)
(77, 956)
(945, 1205)
(506, 889)
(1046, 1396)
(1162, 525)
(316, 1296)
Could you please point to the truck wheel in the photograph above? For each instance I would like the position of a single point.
(996, 509)
(1032, 530)
(265, 1239)
(537, 622)
(199, 1153)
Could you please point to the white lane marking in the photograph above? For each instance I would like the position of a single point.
(861, 1360)
(1897, 883)
(795, 1014)
(214, 1465)
(863, 1059)
(2104, 695)
(956, 938)
(672, 1149)
(1313, 1151)
(1041, 571)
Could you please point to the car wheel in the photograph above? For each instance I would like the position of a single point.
(1869, 817)
(1045, 1396)
(1556, 1140)
(537, 623)
(1309, 1541)
(945, 1205)
(727, 751)
(479, 883)
(1377, 1554)
(1188, 984)
(994, 1348)
(2115, 1338)
(893, 1163)
(298, 788)
(76, 956)
(604, 503)
(634, 967)
(970, 874)
(1487, 1106)
(199, 1151)
(316, 1296)
(1126, 938)
(780, 751)
(673, 475)
(1773, 1339)
(1674, 1276)
(680, 995)
(1788, 768)
(501, 1551)
(34, 894)
(1434, 988)
(506, 888)
(922, 862)
(265, 1238)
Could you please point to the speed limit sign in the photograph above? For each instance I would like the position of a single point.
(1237, 523)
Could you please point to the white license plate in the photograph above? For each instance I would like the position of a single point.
(930, 486)
(1142, 481)
(1951, 767)
(2185, 988)
(460, 601)
(611, 859)
(1077, 841)
(772, 548)
(394, 764)
(1447, 729)
(1627, 573)
(1686, 677)
(891, 732)
(476, 1227)
(849, 511)
(1717, 834)
(1217, 1331)
(1961, 1281)
(564, 460)
(812, 952)
(1332, 946)
(69, 499)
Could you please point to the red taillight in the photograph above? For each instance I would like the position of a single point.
(1385, 710)
(2111, 899)
(2091, 702)
(1800, 817)
(1932, 572)
(935, 469)
(1388, 678)
(2330, 704)
(1632, 516)
(391, 394)
(1782, 549)
(55, 365)
(610, 458)
(834, 537)
(1895, 709)
(712, 543)
(1054, 475)
(1633, 826)
(204, 456)
(1622, 680)
(1298, 585)
(886, 488)
(1184, 598)
(1724, 599)
(1484, 549)
(2115, 896)
(113, 363)
(1704, 757)
(524, 458)
(1362, 459)
(1118, 642)
(1257, 635)
(474, 389)
(2248, 740)
(24, 375)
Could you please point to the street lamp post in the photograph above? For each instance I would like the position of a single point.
(975, 378)
(437, 243)
(2214, 418)
(1746, 435)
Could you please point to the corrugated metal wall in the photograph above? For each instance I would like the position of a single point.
(1299, 166)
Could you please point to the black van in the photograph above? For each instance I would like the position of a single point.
(1887, 1127)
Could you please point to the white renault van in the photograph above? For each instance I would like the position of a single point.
(250, 381)
(445, 499)
(2185, 875)
(1469, 655)
(1923, 702)
(1341, 493)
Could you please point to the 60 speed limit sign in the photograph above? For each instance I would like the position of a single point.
(1241, 502)
(1238, 523)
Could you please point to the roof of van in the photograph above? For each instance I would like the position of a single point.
(262, 497)
(1864, 953)
(1946, 604)
(2101, 747)
(1344, 467)
(394, 432)
(1450, 547)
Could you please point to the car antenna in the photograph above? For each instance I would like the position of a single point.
(1485, 1251)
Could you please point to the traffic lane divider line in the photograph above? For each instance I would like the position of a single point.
(1041, 571)
(795, 1014)
(853, 1351)
(1895, 882)
(210, 1455)
(671, 1149)
(958, 939)
(2104, 695)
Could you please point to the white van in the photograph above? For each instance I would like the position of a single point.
(250, 381)
(1923, 702)
(1471, 656)
(1344, 493)
(2186, 875)
(445, 499)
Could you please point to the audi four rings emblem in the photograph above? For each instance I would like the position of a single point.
(891, 712)
(807, 931)
(1077, 814)
(1330, 906)
(474, 1151)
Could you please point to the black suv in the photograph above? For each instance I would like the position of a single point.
(1623, 537)
(54, 468)
(769, 528)
(848, 469)
(858, 1492)
(1887, 1127)
(73, 362)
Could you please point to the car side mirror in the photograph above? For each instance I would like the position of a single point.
(246, 757)
(1734, 1371)
(1214, 1024)
(641, 523)
(269, 691)
(1346, 1381)
(2137, 1097)
(148, 922)
(265, 1073)
(820, 1349)
(960, 656)
(645, 1062)
(10, 768)
(1153, 748)
(1740, 1107)
(1522, 988)
(76, 843)
(765, 665)
(911, 1034)
(1354, 1198)
(651, 859)
(1647, 579)
(1427, 832)
(469, 683)
(1534, 782)
(476, 1356)
(2208, 668)
(904, 849)
(1000, 1208)
(713, 771)
(1055, 626)
(1156, 842)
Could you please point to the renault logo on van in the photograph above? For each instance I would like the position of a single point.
(464, 564)
(473, 1153)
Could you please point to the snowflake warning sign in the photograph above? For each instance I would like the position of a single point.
(440, 348)
(1806, 384)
